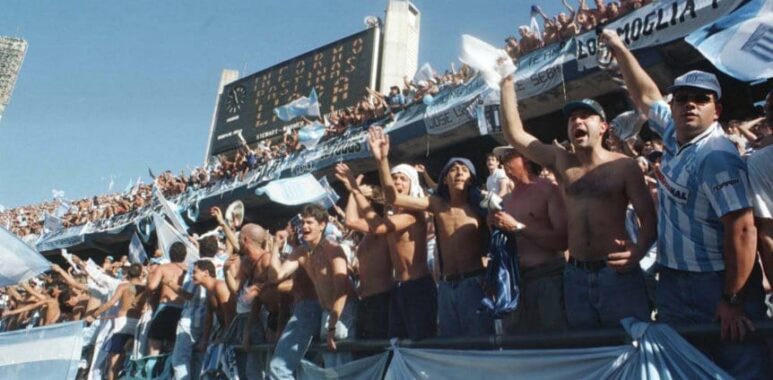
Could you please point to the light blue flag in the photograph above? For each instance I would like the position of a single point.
(49, 352)
(20, 262)
(331, 197)
(311, 134)
(137, 254)
(741, 43)
(302, 106)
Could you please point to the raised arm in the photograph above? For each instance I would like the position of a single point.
(68, 278)
(279, 270)
(338, 268)
(641, 87)
(516, 135)
(427, 179)
(379, 147)
(229, 233)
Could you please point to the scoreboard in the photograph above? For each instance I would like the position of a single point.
(339, 72)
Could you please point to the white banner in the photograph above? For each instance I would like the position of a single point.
(655, 24)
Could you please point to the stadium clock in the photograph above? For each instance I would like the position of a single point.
(236, 97)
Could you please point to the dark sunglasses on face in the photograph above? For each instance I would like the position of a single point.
(698, 98)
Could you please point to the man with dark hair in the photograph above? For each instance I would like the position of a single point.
(462, 238)
(163, 326)
(221, 303)
(707, 263)
(325, 263)
(534, 215)
(603, 282)
(131, 295)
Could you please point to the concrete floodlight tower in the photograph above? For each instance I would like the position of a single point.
(12, 51)
(400, 46)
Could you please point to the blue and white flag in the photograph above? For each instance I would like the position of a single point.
(62, 209)
(68, 257)
(534, 25)
(425, 73)
(331, 197)
(294, 191)
(171, 211)
(137, 254)
(19, 261)
(48, 352)
(168, 235)
(311, 134)
(741, 43)
(51, 224)
(302, 106)
(57, 194)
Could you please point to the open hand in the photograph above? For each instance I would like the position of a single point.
(378, 142)
(625, 259)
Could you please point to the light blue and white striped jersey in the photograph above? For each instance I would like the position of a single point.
(698, 183)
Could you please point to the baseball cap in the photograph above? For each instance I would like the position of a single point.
(588, 104)
(698, 79)
(500, 151)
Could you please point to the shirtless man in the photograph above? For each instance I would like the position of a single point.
(535, 216)
(461, 239)
(131, 298)
(325, 263)
(220, 302)
(47, 305)
(413, 307)
(163, 326)
(603, 282)
(374, 266)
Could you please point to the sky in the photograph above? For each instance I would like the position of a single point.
(109, 89)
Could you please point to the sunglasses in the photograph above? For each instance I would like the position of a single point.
(698, 98)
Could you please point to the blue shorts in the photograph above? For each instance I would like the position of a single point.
(117, 343)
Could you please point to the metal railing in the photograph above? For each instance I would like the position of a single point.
(706, 333)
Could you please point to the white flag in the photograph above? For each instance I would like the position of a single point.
(20, 262)
(425, 73)
(492, 62)
(294, 191)
(171, 211)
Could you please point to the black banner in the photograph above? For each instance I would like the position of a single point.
(339, 72)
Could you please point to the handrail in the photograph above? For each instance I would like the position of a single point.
(698, 333)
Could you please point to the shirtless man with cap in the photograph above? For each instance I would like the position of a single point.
(461, 235)
(534, 214)
(603, 282)
(413, 306)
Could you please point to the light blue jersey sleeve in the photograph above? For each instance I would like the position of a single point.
(725, 182)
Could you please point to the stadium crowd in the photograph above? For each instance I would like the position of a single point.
(564, 26)
(665, 227)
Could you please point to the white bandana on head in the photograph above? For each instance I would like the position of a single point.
(413, 175)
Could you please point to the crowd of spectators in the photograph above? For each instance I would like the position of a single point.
(30, 220)
(564, 26)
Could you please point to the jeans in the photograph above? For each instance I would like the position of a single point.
(295, 339)
(185, 360)
(458, 304)
(413, 309)
(603, 297)
(345, 329)
(691, 297)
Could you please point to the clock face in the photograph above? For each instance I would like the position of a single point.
(235, 99)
